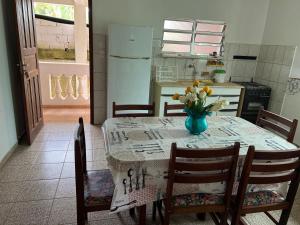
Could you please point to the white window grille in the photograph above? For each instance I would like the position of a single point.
(193, 37)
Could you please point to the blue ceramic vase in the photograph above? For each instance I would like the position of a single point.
(196, 124)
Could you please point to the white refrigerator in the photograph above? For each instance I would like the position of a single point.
(128, 65)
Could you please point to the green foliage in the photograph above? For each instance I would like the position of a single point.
(54, 10)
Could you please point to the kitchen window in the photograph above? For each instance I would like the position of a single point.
(193, 38)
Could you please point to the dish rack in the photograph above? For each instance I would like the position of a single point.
(166, 73)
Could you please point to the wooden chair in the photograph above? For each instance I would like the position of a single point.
(219, 166)
(94, 189)
(259, 169)
(118, 108)
(173, 107)
(278, 124)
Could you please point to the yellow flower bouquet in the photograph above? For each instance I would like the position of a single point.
(196, 108)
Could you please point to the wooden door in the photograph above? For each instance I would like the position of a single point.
(28, 67)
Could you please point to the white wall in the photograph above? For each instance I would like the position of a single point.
(8, 137)
(282, 27)
(243, 25)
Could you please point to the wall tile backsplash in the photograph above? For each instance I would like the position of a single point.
(273, 69)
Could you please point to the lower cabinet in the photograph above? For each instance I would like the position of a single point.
(234, 95)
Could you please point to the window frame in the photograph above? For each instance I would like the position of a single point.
(193, 42)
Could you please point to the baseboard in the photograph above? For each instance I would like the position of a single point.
(8, 155)
(66, 106)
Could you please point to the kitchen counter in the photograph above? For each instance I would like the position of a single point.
(189, 83)
(234, 93)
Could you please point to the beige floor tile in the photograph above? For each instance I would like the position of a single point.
(97, 165)
(25, 213)
(45, 171)
(4, 211)
(22, 157)
(66, 188)
(68, 170)
(38, 190)
(12, 173)
(70, 157)
(63, 211)
(9, 192)
(49, 146)
(51, 157)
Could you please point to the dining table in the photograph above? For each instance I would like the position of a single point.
(138, 152)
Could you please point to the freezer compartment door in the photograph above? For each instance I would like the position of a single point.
(128, 82)
(130, 41)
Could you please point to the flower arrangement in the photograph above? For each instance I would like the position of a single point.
(195, 100)
(196, 108)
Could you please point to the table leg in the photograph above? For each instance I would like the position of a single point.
(142, 215)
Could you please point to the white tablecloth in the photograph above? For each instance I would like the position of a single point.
(138, 151)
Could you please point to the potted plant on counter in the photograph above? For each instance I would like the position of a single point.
(219, 75)
(196, 108)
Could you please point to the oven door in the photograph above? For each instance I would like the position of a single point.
(252, 106)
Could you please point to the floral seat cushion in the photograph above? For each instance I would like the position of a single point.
(262, 198)
(197, 199)
(98, 188)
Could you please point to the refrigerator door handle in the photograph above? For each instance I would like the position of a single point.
(122, 57)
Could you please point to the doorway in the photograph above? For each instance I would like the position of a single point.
(62, 32)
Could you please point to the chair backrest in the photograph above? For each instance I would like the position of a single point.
(80, 159)
(174, 107)
(270, 167)
(278, 124)
(150, 110)
(217, 165)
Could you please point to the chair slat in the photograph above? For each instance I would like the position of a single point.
(277, 123)
(273, 126)
(271, 179)
(276, 155)
(276, 117)
(197, 179)
(121, 109)
(172, 107)
(201, 166)
(275, 167)
(187, 153)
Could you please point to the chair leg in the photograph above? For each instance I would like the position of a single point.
(81, 218)
(154, 207)
(285, 214)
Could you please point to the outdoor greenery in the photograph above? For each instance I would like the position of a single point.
(54, 10)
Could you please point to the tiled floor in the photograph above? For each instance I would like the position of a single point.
(37, 184)
(65, 114)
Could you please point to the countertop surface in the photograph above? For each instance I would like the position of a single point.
(189, 83)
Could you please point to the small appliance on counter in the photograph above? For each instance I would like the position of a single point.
(256, 96)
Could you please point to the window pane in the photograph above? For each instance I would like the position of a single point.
(170, 36)
(54, 10)
(208, 38)
(209, 27)
(167, 47)
(206, 49)
(178, 25)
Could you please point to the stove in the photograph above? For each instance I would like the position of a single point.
(256, 96)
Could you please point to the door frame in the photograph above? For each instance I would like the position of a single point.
(91, 47)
